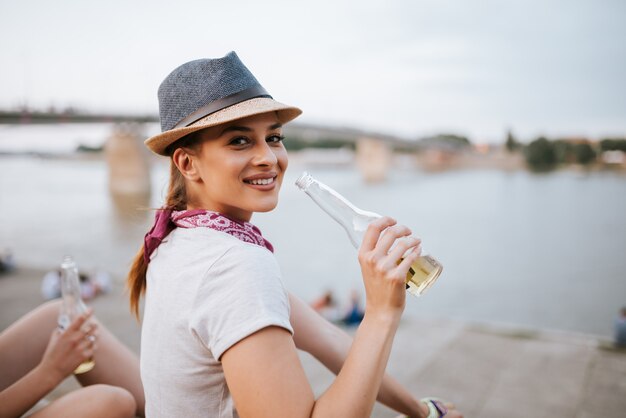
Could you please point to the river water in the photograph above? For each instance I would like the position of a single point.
(540, 251)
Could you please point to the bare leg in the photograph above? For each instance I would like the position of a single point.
(116, 365)
(97, 401)
(22, 344)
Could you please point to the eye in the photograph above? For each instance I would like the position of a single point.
(275, 139)
(239, 141)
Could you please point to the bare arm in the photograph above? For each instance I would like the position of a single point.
(64, 353)
(264, 373)
(330, 345)
(26, 392)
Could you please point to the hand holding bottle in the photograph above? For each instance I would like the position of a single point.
(425, 269)
(385, 256)
(69, 348)
(73, 305)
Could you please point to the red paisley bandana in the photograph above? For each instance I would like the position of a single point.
(166, 220)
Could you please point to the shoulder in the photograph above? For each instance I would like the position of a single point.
(245, 271)
(207, 239)
(188, 252)
(217, 260)
(251, 257)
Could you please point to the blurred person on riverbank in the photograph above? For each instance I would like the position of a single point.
(216, 311)
(620, 329)
(7, 263)
(91, 285)
(36, 356)
(327, 306)
(355, 312)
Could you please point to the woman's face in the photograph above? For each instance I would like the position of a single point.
(238, 167)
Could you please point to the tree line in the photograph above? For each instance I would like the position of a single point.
(543, 154)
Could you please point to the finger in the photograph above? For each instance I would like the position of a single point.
(398, 253)
(87, 353)
(78, 322)
(96, 333)
(54, 336)
(88, 340)
(403, 246)
(373, 232)
(409, 259)
(390, 236)
(84, 346)
(90, 328)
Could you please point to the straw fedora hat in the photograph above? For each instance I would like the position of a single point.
(208, 92)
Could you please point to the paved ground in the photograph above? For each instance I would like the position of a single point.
(487, 372)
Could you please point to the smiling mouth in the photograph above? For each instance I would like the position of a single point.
(261, 182)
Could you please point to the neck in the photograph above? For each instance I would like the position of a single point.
(243, 217)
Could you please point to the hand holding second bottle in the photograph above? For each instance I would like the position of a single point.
(68, 348)
(384, 274)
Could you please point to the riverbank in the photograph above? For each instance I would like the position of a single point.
(429, 160)
(488, 372)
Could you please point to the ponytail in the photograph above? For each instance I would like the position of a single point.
(136, 281)
(176, 200)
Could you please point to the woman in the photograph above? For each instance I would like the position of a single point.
(35, 357)
(219, 332)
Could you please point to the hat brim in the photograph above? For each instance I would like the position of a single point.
(159, 143)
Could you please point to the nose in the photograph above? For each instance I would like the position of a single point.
(265, 155)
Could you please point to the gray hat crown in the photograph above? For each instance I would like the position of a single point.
(198, 88)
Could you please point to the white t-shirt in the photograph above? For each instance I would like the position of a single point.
(206, 290)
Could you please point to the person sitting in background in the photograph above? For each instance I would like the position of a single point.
(620, 329)
(90, 285)
(36, 356)
(355, 312)
(7, 264)
(326, 306)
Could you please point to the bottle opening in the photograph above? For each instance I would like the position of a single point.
(304, 180)
(68, 262)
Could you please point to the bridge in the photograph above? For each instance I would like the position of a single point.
(306, 132)
(27, 117)
(373, 150)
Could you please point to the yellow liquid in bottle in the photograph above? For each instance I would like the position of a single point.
(85, 366)
(422, 274)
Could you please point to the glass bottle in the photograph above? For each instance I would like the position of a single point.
(73, 304)
(422, 274)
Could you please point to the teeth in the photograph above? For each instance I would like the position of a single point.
(262, 181)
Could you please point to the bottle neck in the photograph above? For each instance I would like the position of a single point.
(351, 218)
(70, 290)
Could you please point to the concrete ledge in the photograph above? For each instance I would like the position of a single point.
(487, 370)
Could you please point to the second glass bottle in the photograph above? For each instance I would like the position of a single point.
(73, 304)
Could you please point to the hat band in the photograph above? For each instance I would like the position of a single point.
(224, 102)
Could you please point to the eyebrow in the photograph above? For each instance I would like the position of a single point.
(235, 128)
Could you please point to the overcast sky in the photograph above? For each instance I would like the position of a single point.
(409, 68)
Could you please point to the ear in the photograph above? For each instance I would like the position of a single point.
(185, 163)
